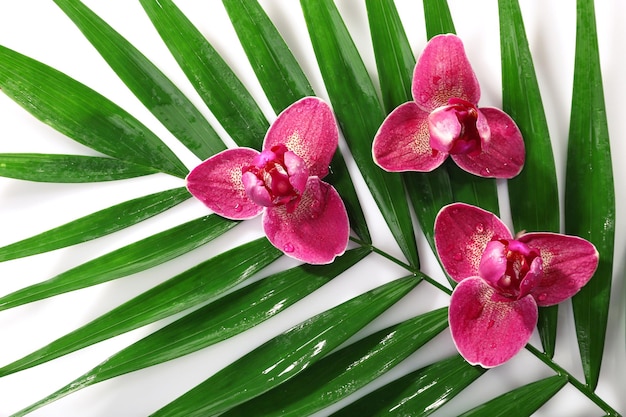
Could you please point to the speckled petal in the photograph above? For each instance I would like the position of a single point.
(217, 183)
(462, 233)
(487, 328)
(444, 72)
(569, 262)
(316, 231)
(403, 142)
(308, 128)
(504, 155)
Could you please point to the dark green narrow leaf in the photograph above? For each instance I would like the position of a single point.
(360, 114)
(436, 384)
(82, 114)
(217, 321)
(523, 401)
(147, 82)
(96, 225)
(275, 66)
(286, 355)
(345, 371)
(589, 190)
(468, 188)
(68, 168)
(394, 59)
(217, 84)
(125, 261)
(521, 99)
(203, 282)
(284, 83)
(438, 18)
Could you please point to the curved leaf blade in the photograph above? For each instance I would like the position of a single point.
(276, 68)
(166, 102)
(436, 384)
(523, 401)
(83, 115)
(96, 225)
(590, 191)
(521, 99)
(360, 113)
(284, 82)
(217, 84)
(217, 321)
(438, 18)
(125, 261)
(345, 371)
(196, 285)
(286, 355)
(68, 168)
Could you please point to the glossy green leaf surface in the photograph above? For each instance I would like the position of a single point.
(217, 84)
(286, 355)
(436, 385)
(589, 191)
(96, 225)
(68, 168)
(147, 82)
(83, 115)
(284, 82)
(279, 73)
(523, 401)
(217, 321)
(125, 261)
(345, 371)
(438, 18)
(394, 58)
(521, 99)
(359, 113)
(203, 282)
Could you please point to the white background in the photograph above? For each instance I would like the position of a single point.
(39, 29)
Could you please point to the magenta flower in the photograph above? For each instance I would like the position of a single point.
(502, 279)
(302, 215)
(443, 120)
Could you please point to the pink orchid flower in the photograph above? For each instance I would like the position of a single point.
(302, 216)
(502, 279)
(443, 119)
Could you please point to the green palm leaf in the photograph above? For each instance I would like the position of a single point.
(96, 224)
(125, 261)
(286, 355)
(360, 113)
(68, 168)
(82, 114)
(219, 87)
(203, 282)
(284, 82)
(521, 99)
(147, 82)
(345, 371)
(589, 191)
(523, 401)
(214, 322)
(436, 384)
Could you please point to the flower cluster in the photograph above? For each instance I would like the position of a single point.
(502, 279)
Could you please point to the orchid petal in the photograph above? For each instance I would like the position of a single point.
(568, 263)
(316, 231)
(217, 182)
(493, 262)
(462, 233)
(487, 328)
(444, 72)
(504, 155)
(308, 128)
(402, 142)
